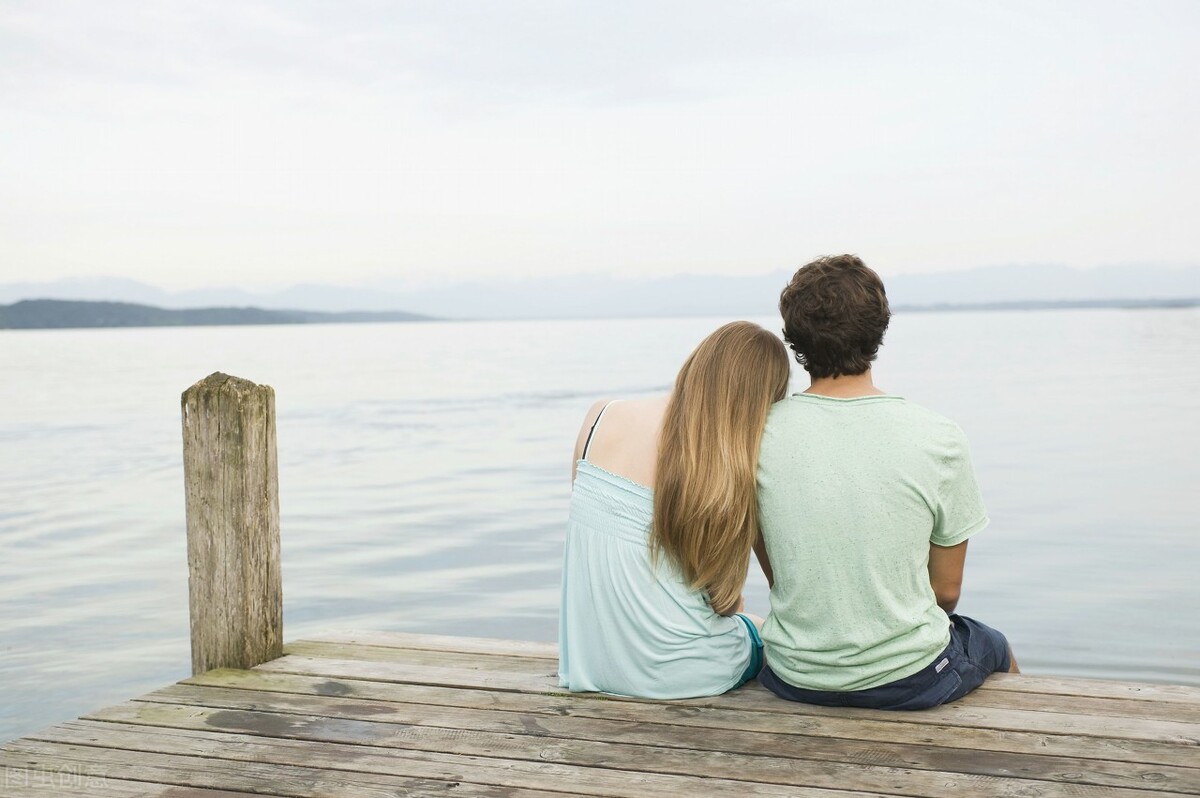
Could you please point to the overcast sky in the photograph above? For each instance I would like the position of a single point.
(190, 144)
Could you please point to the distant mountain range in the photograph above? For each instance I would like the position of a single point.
(31, 314)
(599, 296)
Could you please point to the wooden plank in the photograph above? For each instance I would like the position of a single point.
(1095, 688)
(289, 781)
(646, 731)
(1083, 705)
(26, 783)
(868, 731)
(1046, 685)
(753, 697)
(535, 746)
(463, 661)
(446, 675)
(488, 769)
(424, 642)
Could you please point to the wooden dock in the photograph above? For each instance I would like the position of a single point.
(382, 714)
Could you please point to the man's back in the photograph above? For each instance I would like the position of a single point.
(851, 493)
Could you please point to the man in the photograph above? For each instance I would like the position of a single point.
(866, 505)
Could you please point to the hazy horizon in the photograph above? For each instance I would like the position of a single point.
(607, 296)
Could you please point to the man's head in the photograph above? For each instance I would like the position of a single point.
(835, 313)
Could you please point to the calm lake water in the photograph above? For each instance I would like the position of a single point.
(424, 482)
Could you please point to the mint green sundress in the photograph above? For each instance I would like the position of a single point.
(627, 627)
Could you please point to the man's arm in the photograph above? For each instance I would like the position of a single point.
(946, 573)
(760, 551)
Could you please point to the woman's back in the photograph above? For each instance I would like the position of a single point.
(627, 625)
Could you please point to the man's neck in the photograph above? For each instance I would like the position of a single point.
(845, 387)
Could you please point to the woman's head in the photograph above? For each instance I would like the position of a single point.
(705, 507)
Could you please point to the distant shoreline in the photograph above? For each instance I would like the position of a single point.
(1062, 304)
(55, 314)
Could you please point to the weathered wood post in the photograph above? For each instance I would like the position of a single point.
(230, 475)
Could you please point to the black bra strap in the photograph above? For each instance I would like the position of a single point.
(592, 431)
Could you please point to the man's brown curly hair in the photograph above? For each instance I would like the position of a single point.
(835, 313)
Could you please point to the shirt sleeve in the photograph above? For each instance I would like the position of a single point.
(959, 512)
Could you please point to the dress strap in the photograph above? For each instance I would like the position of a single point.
(587, 444)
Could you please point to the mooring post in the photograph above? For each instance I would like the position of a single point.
(231, 479)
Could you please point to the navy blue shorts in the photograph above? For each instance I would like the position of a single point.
(975, 652)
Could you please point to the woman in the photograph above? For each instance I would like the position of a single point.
(663, 517)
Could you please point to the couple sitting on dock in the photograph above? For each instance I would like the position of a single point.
(857, 503)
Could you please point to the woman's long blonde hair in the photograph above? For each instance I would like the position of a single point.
(705, 503)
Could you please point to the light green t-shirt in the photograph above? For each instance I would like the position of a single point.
(851, 494)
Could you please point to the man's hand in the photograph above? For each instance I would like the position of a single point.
(946, 573)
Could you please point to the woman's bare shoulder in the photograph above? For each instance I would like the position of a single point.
(621, 414)
(641, 406)
(589, 420)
